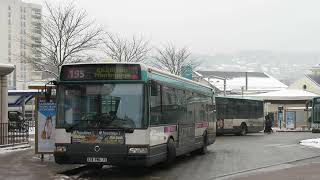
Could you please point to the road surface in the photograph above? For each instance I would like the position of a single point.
(228, 158)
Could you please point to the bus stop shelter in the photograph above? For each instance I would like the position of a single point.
(17, 100)
(5, 69)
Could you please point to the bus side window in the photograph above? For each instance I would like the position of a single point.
(182, 106)
(190, 107)
(209, 109)
(155, 106)
(170, 106)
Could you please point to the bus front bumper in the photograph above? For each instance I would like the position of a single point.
(130, 160)
(111, 154)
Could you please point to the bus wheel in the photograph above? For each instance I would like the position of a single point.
(171, 152)
(243, 130)
(204, 148)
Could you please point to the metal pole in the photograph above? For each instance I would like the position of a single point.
(246, 81)
(224, 86)
(15, 77)
(24, 107)
(242, 91)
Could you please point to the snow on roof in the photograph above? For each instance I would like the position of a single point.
(257, 81)
(6, 69)
(314, 78)
(254, 84)
(197, 74)
(286, 94)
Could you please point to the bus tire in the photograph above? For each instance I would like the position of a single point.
(171, 152)
(204, 148)
(243, 129)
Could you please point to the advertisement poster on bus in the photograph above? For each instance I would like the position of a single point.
(290, 119)
(45, 126)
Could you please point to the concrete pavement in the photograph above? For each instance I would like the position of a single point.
(304, 172)
(229, 155)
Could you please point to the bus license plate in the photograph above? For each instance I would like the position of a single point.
(96, 159)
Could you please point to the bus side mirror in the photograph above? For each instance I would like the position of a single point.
(48, 90)
(48, 93)
(154, 88)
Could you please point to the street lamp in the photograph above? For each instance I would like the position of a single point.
(221, 78)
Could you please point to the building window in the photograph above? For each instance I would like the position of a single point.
(9, 14)
(304, 87)
(9, 8)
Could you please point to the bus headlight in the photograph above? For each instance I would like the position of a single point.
(138, 150)
(61, 149)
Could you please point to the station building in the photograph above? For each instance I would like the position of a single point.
(286, 104)
(288, 107)
(309, 82)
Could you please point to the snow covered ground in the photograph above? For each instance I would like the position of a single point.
(311, 142)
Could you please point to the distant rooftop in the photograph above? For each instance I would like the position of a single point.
(314, 78)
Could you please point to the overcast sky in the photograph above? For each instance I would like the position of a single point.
(213, 26)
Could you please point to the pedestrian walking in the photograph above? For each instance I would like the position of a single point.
(268, 124)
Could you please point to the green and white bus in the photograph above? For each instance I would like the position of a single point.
(130, 114)
(239, 116)
(315, 114)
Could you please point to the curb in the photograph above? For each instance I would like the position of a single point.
(292, 130)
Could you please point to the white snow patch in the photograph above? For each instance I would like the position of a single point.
(14, 148)
(32, 130)
(311, 142)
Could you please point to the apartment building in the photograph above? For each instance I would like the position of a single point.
(20, 31)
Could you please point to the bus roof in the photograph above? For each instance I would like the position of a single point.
(152, 69)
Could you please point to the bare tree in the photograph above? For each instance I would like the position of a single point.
(174, 60)
(66, 36)
(124, 50)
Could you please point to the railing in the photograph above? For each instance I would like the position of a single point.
(13, 133)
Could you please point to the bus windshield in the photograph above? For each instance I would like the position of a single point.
(100, 106)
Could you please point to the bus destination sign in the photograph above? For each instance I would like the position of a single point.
(84, 72)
